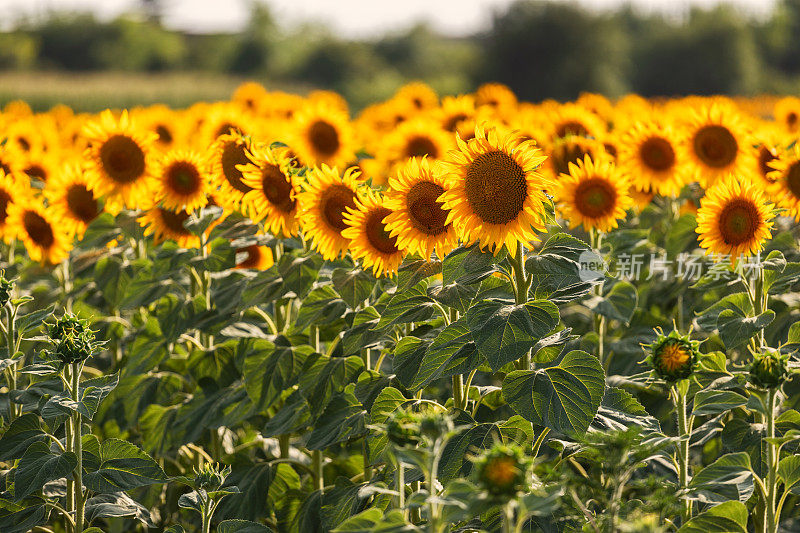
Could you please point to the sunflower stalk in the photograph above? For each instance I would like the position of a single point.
(521, 285)
(685, 424)
(596, 240)
(771, 517)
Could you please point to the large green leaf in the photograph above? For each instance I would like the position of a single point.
(299, 273)
(735, 328)
(21, 516)
(354, 286)
(468, 265)
(123, 466)
(712, 402)
(22, 432)
(322, 306)
(241, 526)
(344, 418)
(40, 465)
(452, 352)
(789, 471)
(326, 377)
(619, 303)
(728, 478)
(504, 332)
(91, 393)
(374, 521)
(728, 517)
(271, 368)
(411, 305)
(564, 397)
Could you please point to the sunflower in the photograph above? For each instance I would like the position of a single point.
(734, 218)
(784, 180)
(164, 122)
(594, 194)
(71, 199)
(717, 143)
(418, 137)
(418, 220)
(39, 166)
(323, 204)
(573, 119)
(496, 194)
(255, 256)
(769, 143)
(181, 180)
(272, 198)
(11, 191)
(226, 155)
(454, 110)
(419, 95)
(323, 134)
(651, 156)
(369, 235)
(570, 150)
(119, 162)
(223, 118)
(496, 96)
(250, 96)
(165, 224)
(787, 113)
(36, 226)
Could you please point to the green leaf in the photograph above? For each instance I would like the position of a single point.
(293, 415)
(504, 333)
(21, 516)
(738, 302)
(789, 471)
(728, 478)
(123, 466)
(619, 303)
(454, 462)
(736, 329)
(241, 526)
(118, 505)
(343, 419)
(565, 245)
(411, 273)
(557, 278)
(452, 352)
(271, 368)
(620, 410)
(386, 403)
(411, 305)
(407, 358)
(469, 265)
(564, 397)
(299, 272)
(38, 466)
(712, 402)
(322, 306)
(354, 286)
(326, 377)
(91, 392)
(22, 432)
(728, 517)
(374, 521)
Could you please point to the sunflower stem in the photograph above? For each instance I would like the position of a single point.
(595, 241)
(684, 434)
(521, 293)
(771, 517)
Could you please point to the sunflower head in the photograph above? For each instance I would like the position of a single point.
(784, 180)
(255, 256)
(181, 180)
(165, 224)
(322, 134)
(769, 369)
(419, 219)
(717, 142)
(74, 340)
(403, 428)
(43, 234)
(652, 158)
(370, 239)
(734, 218)
(71, 198)
(593, 194)
(496, 192)
(272, 176)
(673, 357)
(503, 471)
(211, 477)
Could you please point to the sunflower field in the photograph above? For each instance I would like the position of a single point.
(456, 314)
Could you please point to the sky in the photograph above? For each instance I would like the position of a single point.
(354, 18)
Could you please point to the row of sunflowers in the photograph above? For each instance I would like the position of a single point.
(412, 175)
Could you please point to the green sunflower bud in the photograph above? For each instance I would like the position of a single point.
(769, 369)
(435, 425)
(503, 470)
(210, 477)
(5, 289)
(403, 428)
(673, 357)
(74, 349)
(69, 325)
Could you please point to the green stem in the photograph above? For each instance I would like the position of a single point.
(207, 512)
(458, 392)
(366, 356)
(772, 518)
(596, 239)
(521, 285)
(13, 345)
(77, 448)
(538, 442)
(685, 432)
(367, 465)
(508, 518)
(400, 474)
(283, 444)
(317, 465)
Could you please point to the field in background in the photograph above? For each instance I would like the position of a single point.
(96, 91)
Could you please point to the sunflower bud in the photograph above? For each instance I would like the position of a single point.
(210, 477)
(5, 289)
(769, 369)
(503, 470)
(403, 428)
(674, 356)
(435, 425)
(73, 339)
(69, 325)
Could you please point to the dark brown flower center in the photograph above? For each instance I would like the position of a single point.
(277, 188)
(565, 154)
(36, 171)
(793, 178)
(571, 127)
(451, 123)
(81, 203)
(496, 187)
(420, 145)
(183, 178)
(253, 256)
(765, 156)
(657, 154)
(122, 159)
(333, 204)
(739, 221)
(233, 154)
(377, 235)
(5, 199)
(173, 221)
(715, 146)
(164, 135)
(595, 198)
(426, 213)
(38, 229)
(324, 138)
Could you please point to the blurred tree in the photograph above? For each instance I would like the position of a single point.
(141, 45)
(256, 43)
(69, 41)
(554, 50)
